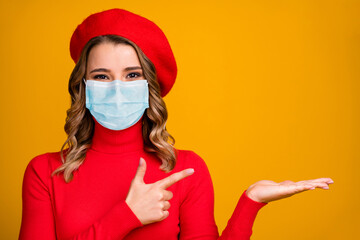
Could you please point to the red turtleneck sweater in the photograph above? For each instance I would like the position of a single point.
(92, 205)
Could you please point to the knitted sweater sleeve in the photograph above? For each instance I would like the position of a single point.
(38, 215)
(197, 209)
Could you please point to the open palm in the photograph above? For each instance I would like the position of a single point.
(267, 191)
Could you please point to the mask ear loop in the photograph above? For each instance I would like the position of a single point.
(84, 81)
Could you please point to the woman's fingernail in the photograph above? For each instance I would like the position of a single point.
(312, 188)
(326, 187)
(331, 181)
(190, 171)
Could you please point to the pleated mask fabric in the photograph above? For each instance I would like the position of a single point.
(117, 105)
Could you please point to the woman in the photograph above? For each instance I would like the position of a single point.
(121, 177)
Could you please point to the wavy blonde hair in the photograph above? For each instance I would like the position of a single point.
(79, 124)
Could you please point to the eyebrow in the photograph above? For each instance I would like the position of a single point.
(107, 70)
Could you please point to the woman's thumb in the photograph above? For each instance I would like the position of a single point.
(140, 172)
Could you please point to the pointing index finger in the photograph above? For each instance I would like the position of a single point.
(170, 180)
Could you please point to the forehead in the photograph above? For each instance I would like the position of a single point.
(112, 56)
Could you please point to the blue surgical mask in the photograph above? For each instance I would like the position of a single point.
(117, 105)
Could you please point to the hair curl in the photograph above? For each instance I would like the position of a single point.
(79, 124)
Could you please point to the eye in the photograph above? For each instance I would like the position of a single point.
(134, 75)
(101, 77)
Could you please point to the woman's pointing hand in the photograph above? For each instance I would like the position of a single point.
(267, 191)
(150, 202)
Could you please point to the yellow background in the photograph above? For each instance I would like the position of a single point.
(265, 90)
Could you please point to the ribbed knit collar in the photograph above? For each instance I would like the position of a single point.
(117, 141)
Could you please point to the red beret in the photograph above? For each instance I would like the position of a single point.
(143, 32)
